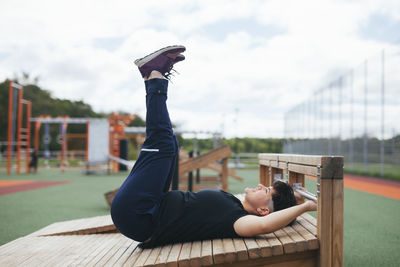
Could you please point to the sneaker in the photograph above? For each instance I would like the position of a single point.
(161, 60)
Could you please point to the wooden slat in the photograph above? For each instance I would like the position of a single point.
(307, 225)
(218, 251)
(300, 159)
(151, 260)
(163, 256)
(276, 245)
(241, 249)
(173, 256)
(206, 252)
(195, 254)
(103, 249)
(252, 248)
(184, 256)
(133, 257)
(116, 251)
(266, 249)
(229, 250)
(131, 252)
(301, 244)
(86, 250)
(70, 249)
(312, 241)
(310, 218)
(144, 255)
(288, 244)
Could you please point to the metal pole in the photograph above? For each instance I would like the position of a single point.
(10, 118)
(340, 116)
(365, 116)
(383, 115)
(330, 120)
(351, 147)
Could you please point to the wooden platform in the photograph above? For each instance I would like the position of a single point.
(91, 242)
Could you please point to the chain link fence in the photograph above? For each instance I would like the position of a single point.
(356, 115)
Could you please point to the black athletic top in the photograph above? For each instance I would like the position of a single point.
(188, 216)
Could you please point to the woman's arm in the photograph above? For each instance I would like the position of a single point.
(252, 225)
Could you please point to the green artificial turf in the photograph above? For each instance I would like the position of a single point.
(371, 222)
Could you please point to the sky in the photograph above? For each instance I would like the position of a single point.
(247, 62)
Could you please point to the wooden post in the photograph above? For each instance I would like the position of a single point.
(264, 175)
(224, 180)
(330, 211)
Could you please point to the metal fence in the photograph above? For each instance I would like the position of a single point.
(356, 115)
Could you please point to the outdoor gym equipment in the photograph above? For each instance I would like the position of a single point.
(15, 117)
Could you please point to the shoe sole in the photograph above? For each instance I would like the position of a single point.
(141, 61)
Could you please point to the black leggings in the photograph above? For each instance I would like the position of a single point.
(136, 203)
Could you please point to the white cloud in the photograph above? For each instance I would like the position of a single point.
(85, 50)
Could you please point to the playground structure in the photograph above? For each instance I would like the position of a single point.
(15, 127)
(63, 121)
(308, 242)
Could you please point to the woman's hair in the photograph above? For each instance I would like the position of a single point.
(283, 197)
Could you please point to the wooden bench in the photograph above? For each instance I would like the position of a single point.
(328, 171)
(309, 242)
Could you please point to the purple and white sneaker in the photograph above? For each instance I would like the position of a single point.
(161, 60)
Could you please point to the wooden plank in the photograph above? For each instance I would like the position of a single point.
(324, 223)
(241, 249)
(206, 252)
(173, 256)
(133, 257)
(140, 261)
(266, 249)
(337, 223)
(70, 250)
(229, 250)
(301, 244)
(195, 254)
(276, 245)
(91, 244)
(131, 252)
(253, 249)
(307, 225)
(218, 251)
(105, 247)
(122, 244)
(310, 218)
(163, 256)
(184, 256)
(204, 159)
(312, 241)
(289, 246)
(299, 159)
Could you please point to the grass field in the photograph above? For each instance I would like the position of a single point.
(371, 223)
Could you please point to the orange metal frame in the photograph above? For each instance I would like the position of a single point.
(23, 134)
